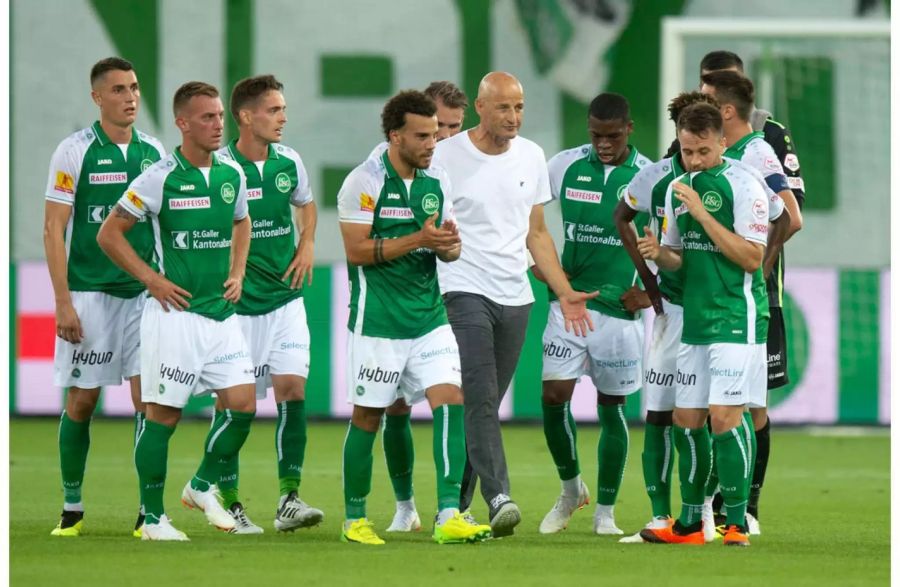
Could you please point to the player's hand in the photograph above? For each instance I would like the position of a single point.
(574, 311)
(234, 287)
(68, 325)
(450, 226)
(635, 299)
(690, 198)
(301, 266)
(648, 246)
(167, 293)
(434, 238)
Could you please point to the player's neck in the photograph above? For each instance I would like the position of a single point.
(737, 131)
(117, 134)
(488, 143)
(253, 148)
(403, 169)
(196, 156)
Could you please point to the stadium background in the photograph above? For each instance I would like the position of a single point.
(340, 60)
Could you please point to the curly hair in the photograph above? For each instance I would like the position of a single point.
(393, 117)
(685, 99)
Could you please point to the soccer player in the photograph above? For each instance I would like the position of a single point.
(500, 183)
(397, 439)
(715, 228)
(735, 94)
(98, 306)
(396, 220)
(646, 194)
(588, 181)
(191, 341)
(271, 310)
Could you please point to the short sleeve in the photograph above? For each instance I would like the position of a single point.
(556, 171)
(144, 194)
(542, 193)
(671, 236)
(302, 194)
(447, 190)
(751, 210)
(240, 205)
(357, 198)
(640, 190)
(65, 168)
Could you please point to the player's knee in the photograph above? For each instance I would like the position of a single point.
(80, 403)
(760, 417)
(659, 418)
(289, 388)
(368, 419)
(604, 399)
(724, 418)
(555, 393)
(400, 408)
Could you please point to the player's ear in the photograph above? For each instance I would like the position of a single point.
(244, 116)
(181, 123)
(95, 96)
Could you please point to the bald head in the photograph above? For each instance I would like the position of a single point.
(500, 105)
(499, 83)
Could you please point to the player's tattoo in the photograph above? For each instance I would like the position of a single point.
(121, 212)
(379, 253)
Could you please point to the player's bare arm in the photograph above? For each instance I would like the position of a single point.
(791, 205)
(779, 232)
(572, 303)
(240, 248)
(111, 239)
(363, 250)
(666, 258)
(624, 216)
(748, 255)
(56, 218)
(301, 265)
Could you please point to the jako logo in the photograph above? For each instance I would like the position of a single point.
(686, 378)
(91, 358)
(661, 379)
(176, 375)
(377, 375)
(558, 351)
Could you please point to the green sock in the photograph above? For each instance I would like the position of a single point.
(74, 442)
(223, 442)
(612, 452)
(694, 463)
(150, 457)
(658, 460)
(290, 444)
(228, 475)
(449, 443)
(750, 442)
(357, 468)
(559, 430)
(735, 470)
(140, 419)
(399, 454)
(713, 484)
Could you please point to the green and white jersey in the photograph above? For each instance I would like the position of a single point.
(593, 256)
(647, 194)
(722, 302)
(193, 211)
(397, 299)
(89, 173)
(273, 186)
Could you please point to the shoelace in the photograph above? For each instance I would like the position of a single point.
(499, 500)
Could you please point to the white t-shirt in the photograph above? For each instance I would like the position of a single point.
(492, 199)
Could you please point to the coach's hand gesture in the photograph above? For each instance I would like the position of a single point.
(574, 309)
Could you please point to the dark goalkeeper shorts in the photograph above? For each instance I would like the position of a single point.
(776, 349)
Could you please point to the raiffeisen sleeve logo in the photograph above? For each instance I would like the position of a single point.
(64, 183)
(366, 202)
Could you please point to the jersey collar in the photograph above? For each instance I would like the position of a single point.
(391, 172)
(103, 138)
(718, 169)
(629, 161)
(185, 164)
(239, 157)
(740, 144)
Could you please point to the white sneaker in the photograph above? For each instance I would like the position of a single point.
(242, 524)
(709, 521)
(405, 520)
(162, 531)
(208, 503)
(654, 524)
(752, 525)
(557, 519)
(294, 513)
(605, 521)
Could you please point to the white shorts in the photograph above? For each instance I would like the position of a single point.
(381, 370)
(660, 362)
(279, 343)
(185, 354)
(610, 354)
(110, 350)
(719, 374)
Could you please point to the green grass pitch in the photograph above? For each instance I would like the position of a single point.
(825, 515)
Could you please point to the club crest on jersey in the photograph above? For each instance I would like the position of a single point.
(283, 182)
(227, 192)
(145, 165)
(711, 201)
(430, 203)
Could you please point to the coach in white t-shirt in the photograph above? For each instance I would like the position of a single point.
(500, 182)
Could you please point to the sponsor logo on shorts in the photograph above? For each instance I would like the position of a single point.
(176, 375)
(617, 364)
(377, 375)
(685, 378)
(360, 390)
(162, 389)
(76, 373)
(283, 183)
(395, 213)
(189, 203)
(107, 178)
(91, 358)
(587, 196)
(447, 350)
(712, 201)
(294, 346)
(254, 193)
(731, 373)
(227, 193)
(733, 393)
(430, 203)
(654, 377)
(556, 351)
(228, 357)
(260, 371)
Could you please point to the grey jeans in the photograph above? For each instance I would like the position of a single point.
(490, 338)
